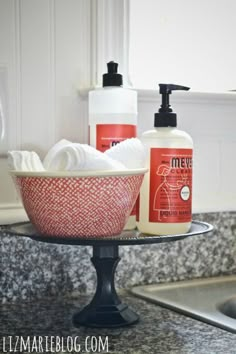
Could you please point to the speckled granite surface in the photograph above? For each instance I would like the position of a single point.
(41, 286)
(160, 331)
(31, 270)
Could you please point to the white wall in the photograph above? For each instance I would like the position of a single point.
(45, 51)
(46, 55)
(188, 42)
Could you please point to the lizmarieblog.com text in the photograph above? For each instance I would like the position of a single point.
(54, 344)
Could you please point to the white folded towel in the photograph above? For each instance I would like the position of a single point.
(131, 153)
(67, 156)
(78, 157)
(24, 161)
(53, 151)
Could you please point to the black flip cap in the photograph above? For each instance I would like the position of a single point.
(112, 78)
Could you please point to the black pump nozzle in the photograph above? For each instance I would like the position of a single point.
(112, 78)
(168, 88)
(112, 67)
(165, 116)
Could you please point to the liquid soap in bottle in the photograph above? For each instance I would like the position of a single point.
(113, 116)
(165, 201)
(112, 111)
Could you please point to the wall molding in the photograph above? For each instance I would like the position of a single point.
(15, 136)
(109, 38)
(52, 67)
(12, 213)
(152, 96)
(189, 97)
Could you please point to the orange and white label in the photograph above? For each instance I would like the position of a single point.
(109, 135)
(170, 185)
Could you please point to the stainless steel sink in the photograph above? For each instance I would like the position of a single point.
(228, 307)
(212, 300)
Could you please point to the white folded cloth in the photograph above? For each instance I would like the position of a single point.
(131, 153)
(53, 151)
(81, 157)
(24, 161)
(68, 156)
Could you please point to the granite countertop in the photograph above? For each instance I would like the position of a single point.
(43, 285)
(37, 270)
(160, 330)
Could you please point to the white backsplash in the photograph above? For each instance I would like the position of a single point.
(211, 121)
(47, 51)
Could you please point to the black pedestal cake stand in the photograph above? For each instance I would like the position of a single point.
(106, 308)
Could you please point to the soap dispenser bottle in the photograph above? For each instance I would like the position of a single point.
(165, 199)
(112, 111)
(113, 116)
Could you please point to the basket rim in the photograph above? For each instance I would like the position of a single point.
(72, 174)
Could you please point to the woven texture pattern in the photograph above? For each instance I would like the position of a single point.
(79, 206)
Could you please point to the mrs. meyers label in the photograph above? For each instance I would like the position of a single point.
(109, 135)
(170, 185)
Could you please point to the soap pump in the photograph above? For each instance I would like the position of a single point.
(165, 116)
(112, 111)
(165, 199)
(113, 116)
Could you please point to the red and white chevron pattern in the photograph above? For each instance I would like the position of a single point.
(79, 206)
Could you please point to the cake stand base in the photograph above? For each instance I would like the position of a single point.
(105, 309)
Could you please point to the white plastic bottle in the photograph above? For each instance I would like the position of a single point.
(112, 116)
(165, 200)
